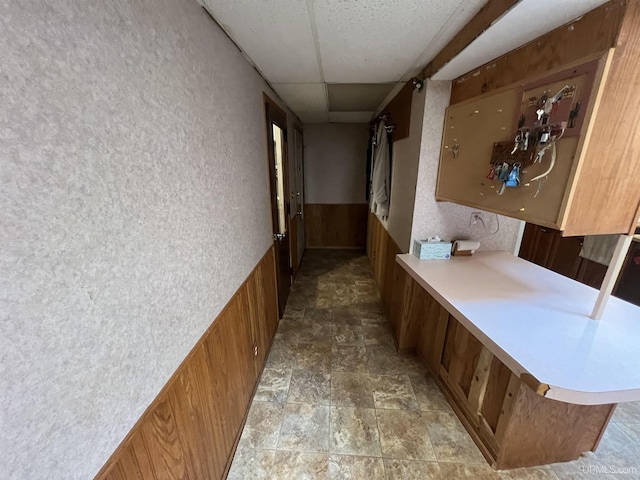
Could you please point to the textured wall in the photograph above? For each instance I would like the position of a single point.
(449, 220)
(133, 203)
(335, 159)
(406, 156)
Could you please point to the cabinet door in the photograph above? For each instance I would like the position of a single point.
(628, 287)
(433, 332)
(565, 258)
(545, 243)
(591, 273)
(528, 245)
(473, 127)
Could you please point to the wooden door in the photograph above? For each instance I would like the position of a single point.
(280, 203)
(299, 192)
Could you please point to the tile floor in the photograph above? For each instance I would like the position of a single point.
(335, 400)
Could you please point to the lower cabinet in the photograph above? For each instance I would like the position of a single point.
(512, 425)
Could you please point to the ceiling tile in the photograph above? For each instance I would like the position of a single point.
(378, 40)
(275, 34)
(352, 97)
(456, 22)
(514, 29)
(314, 117)
(350, 117)
(306, 97)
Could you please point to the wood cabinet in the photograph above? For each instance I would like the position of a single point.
(510, 422)
(548, 248)
(594, 187)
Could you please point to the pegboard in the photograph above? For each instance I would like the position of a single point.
(481, 133)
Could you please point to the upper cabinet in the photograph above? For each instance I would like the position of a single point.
(561, 149)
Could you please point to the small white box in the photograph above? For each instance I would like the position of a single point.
(425, 250)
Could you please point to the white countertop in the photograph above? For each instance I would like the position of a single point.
(537, 321)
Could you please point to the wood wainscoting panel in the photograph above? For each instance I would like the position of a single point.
(382, 251)
(335, 225)
(191, 429)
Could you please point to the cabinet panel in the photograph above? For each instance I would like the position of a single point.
(545, 243)
(460, 359)
(565, 258)
(528, 245)
(432, 335)
(570, 189)
(473, 127)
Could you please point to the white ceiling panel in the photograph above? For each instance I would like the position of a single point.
(456, 22)
(376, 40)
(304, 97)
(314, 117)
(350, 117)
(514, 29)
(275, 34)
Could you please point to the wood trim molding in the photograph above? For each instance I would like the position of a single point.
(487, 16)
(592, 34)
(192, 427)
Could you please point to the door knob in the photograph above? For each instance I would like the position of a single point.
(278, 236)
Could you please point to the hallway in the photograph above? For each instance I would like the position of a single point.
(336, 401)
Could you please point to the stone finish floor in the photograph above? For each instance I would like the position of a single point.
(335, 400)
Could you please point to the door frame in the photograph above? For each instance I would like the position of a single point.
(282, 247)
(298, 195)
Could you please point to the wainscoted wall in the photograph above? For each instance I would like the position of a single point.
(336, 225)
(192, 427)
(335, 176)
(134, 201)
(382, 250)
(335, 162)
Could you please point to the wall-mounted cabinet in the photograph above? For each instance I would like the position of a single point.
(543, 151)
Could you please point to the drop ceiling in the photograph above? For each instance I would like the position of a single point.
(313, 51)
(342, 60)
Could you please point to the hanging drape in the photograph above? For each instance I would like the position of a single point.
(381, 178)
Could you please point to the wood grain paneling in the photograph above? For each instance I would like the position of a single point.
(382, 251)
(499, 377)
(592, 34)
(192, 427)
(488, 14)
(615, 136)
(340, 225)
(414, 307)
(432, 334)
(512, 424)
(542, 430)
